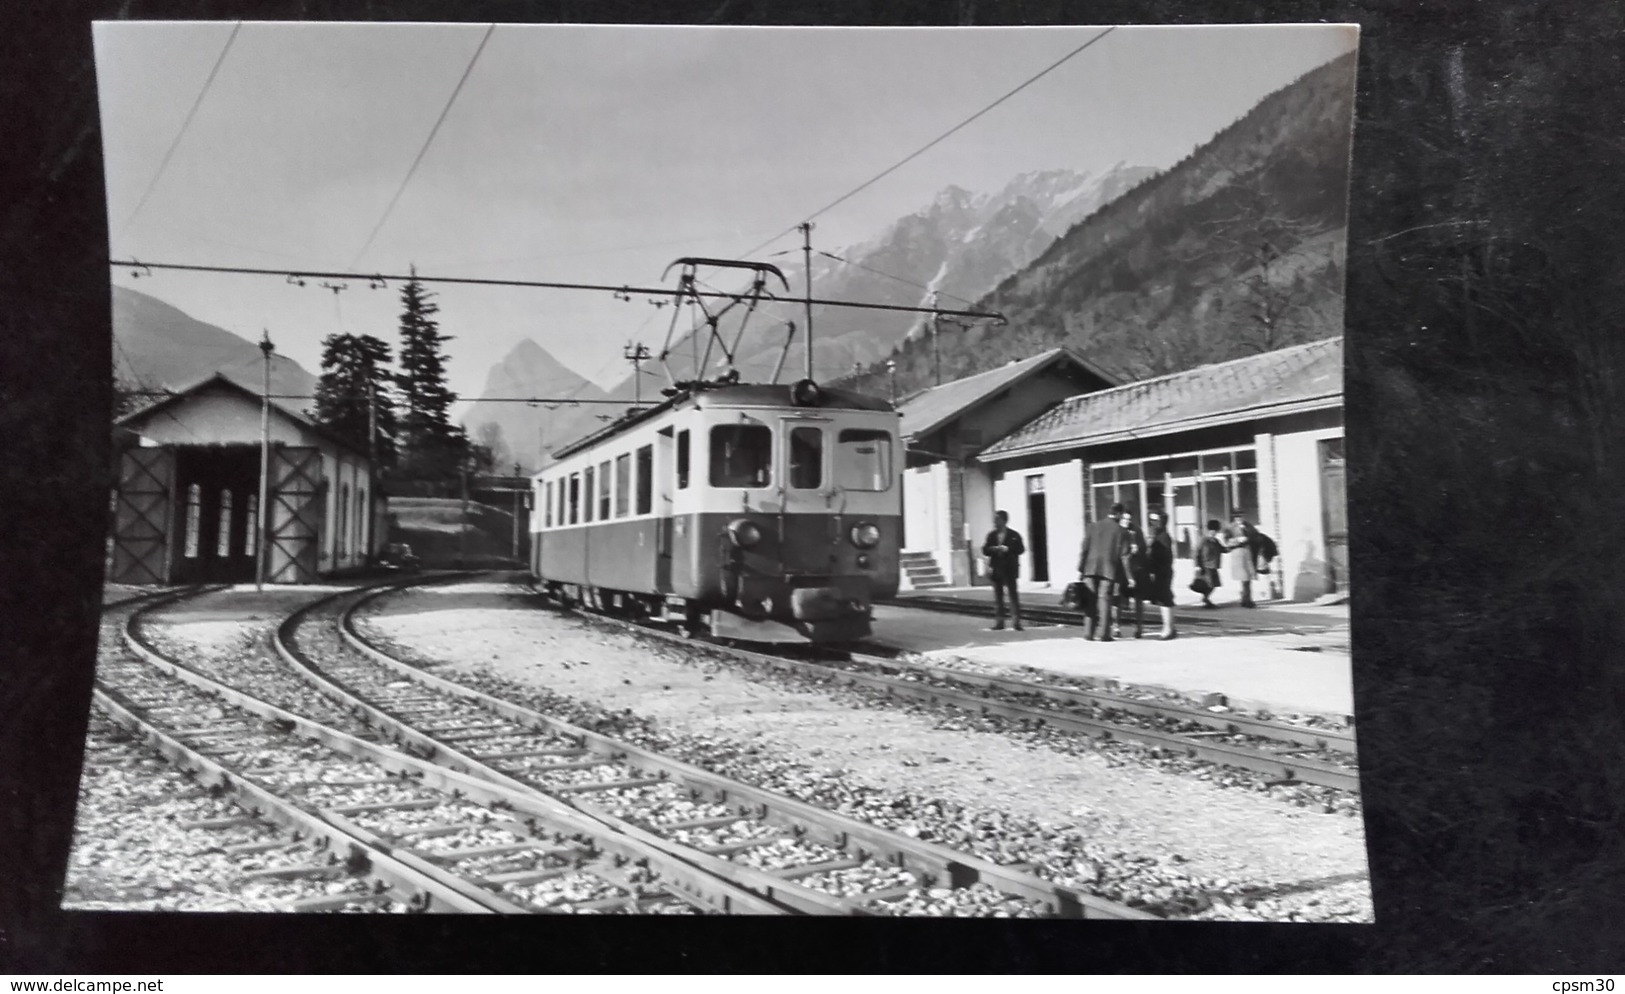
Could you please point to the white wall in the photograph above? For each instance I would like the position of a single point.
(1063, 515)
(1300, 529)
(925, 511)
(979, 508)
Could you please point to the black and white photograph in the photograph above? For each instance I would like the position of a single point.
(676, 470)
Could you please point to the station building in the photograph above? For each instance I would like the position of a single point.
(186, 508)
(1263, 433)
(948, 496)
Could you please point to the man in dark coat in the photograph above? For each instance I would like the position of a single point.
(1105, 546)
(1003, 550)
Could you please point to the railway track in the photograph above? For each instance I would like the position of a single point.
(797, 855)
(1053, 615)
(377, 827)
(1287, 754)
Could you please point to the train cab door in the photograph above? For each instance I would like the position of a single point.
(664, 477)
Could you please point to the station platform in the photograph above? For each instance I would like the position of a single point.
(1282, 657)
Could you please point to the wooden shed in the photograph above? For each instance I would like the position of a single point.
(186, 507)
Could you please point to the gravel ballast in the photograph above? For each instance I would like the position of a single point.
(1300, 863)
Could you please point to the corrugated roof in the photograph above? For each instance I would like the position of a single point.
(1304, 377)
(926, 411)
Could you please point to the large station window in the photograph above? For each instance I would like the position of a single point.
(588, 478)
(251, 527)
(646, 479)
(682, 460)
(1191, 489)
(863, 459)
(806, 458)
(741, 455)
(623, 484)
(603, 490)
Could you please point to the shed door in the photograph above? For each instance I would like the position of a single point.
(141, 518)
(296, 514)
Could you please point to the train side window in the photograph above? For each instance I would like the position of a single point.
(564, 499)
(587, 492)
(682, 460)
(863, 459)
(603, 490)
(646, 479)
(806, 458)
(575, 498)
(741, 455)
(547, 504)
(623, 484)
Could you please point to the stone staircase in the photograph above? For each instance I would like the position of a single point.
(921, 572)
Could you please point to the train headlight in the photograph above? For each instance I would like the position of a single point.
(744, 533)
(865, 534)
(805, 393)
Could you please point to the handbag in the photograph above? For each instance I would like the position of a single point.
(1078, 595)
(1200, 584)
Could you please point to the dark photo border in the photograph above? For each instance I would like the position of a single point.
(1484, 371)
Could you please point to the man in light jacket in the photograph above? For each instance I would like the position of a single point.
(1105, 546)
(1003, 550)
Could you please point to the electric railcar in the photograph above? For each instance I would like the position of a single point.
(765, 512)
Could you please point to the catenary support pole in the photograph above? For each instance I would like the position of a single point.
(263, 525)
(806, 252)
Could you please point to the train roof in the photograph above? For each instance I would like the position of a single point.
(730, 395)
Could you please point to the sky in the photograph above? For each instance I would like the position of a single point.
(600, 154)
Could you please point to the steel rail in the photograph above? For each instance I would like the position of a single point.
(683, 880)
(957, 869)
(1285, 769)
(437, 749)
(390, 868)
(1326, 739)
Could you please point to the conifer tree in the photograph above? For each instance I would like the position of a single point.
(354, 378)
(431, 446)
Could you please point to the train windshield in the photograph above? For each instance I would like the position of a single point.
(863, 459)
(741, 455)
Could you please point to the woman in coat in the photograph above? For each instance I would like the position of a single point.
(1160, 571)
(1209, 557)
(1136, 575)
(1239, 539)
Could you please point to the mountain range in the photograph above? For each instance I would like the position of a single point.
(960, 246)
(1239, 248)
(160, 347)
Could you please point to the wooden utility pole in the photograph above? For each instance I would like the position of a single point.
(635, 354)
(372, 467)
(262, 525)
(516, 513)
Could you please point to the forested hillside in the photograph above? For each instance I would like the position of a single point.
(1239, 248)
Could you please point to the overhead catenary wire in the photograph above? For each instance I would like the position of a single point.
(889, 276)
(623, 289)
(444, 111)
(871, 181)
(185, 125)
